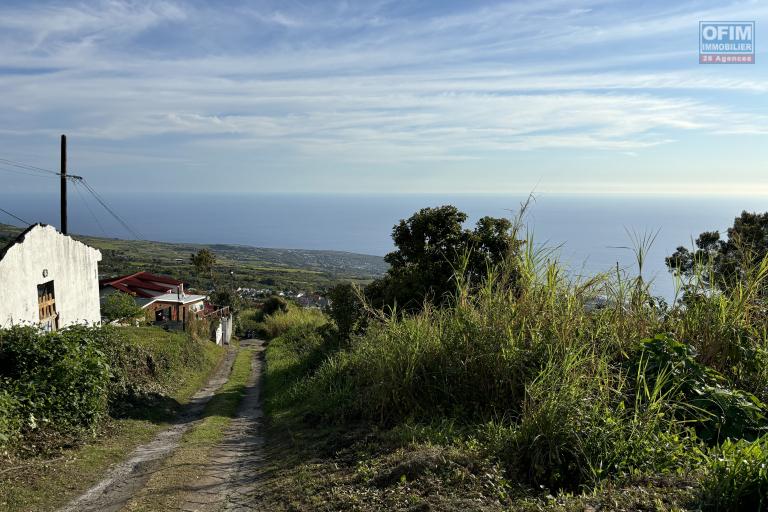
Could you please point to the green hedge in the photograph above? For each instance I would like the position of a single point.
(58, 387)
(59, 381)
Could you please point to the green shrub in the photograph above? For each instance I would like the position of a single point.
(120, 306)
(577, 427)
(346, 309)
(151, 360)
(250, 321)
(274, 304)
(737, 477)
(290, 358)
(719, 412)
(462, 363)
(727, 328)
(10, 418)
(56, 387)
(59, 379)
(305, 341)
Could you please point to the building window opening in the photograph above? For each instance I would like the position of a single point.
(46, 306)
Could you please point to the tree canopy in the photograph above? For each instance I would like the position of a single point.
(203, 260)
(432, 246)
(720, 264)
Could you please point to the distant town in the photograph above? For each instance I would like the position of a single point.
(302, 298)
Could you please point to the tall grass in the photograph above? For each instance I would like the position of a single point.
(565, 381)
(281, 322)
(298, 345)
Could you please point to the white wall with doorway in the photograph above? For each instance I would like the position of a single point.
(42, 255)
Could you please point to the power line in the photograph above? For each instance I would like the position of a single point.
(15, 217)
(103, 203)
(23, 173)
(40, 172)
(28, 167)
(77, 185)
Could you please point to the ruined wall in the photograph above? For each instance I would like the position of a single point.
(46, 255)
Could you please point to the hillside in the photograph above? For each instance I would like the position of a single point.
(251, 266)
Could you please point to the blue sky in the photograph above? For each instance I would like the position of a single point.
(382, 96)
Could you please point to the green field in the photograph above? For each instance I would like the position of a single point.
(243, 266)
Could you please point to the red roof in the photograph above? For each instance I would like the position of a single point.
(142, 284)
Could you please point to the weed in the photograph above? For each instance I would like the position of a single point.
(737, 477)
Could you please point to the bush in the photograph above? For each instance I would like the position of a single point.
(346, 309)
(457, 363)
(718, 411)
(250, 321)
(120, 306)
(737, 477)
(59, 379)
(150, 360)
(291, 357)
(56, 387)
(274, 304)
(10, 418)
(576, 428)
(302, 340)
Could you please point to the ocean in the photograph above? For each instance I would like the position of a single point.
(590, 232)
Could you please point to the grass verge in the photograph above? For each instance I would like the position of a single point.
(166, 488)
(46, 482)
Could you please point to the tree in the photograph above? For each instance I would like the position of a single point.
(345, 308)
(720, 264)
(226, 297)
(203, 261)
(431, 246)
(120, 306)
(273, 305)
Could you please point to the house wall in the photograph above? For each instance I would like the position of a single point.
(226, 330)
(71, 265)
(190, 308)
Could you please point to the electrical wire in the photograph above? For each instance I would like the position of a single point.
(28, 167)
(15, 217)
(40, 172)
(77, 185)
(103, 203)
(24, 173)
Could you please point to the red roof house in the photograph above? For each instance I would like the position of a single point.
(162, 295)
(143, 284)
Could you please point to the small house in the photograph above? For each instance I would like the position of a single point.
(48, 279)
(163, 297)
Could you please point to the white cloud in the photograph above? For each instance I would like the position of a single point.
(364, 83)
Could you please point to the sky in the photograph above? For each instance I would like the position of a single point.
(441, 96)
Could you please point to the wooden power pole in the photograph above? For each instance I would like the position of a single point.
(64, 184)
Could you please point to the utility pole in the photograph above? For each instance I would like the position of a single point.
(63, 184)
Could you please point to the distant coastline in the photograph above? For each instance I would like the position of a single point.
(590, 231)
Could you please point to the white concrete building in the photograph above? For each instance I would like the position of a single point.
(48, 279)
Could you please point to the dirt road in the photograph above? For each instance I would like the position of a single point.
(229, 473)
